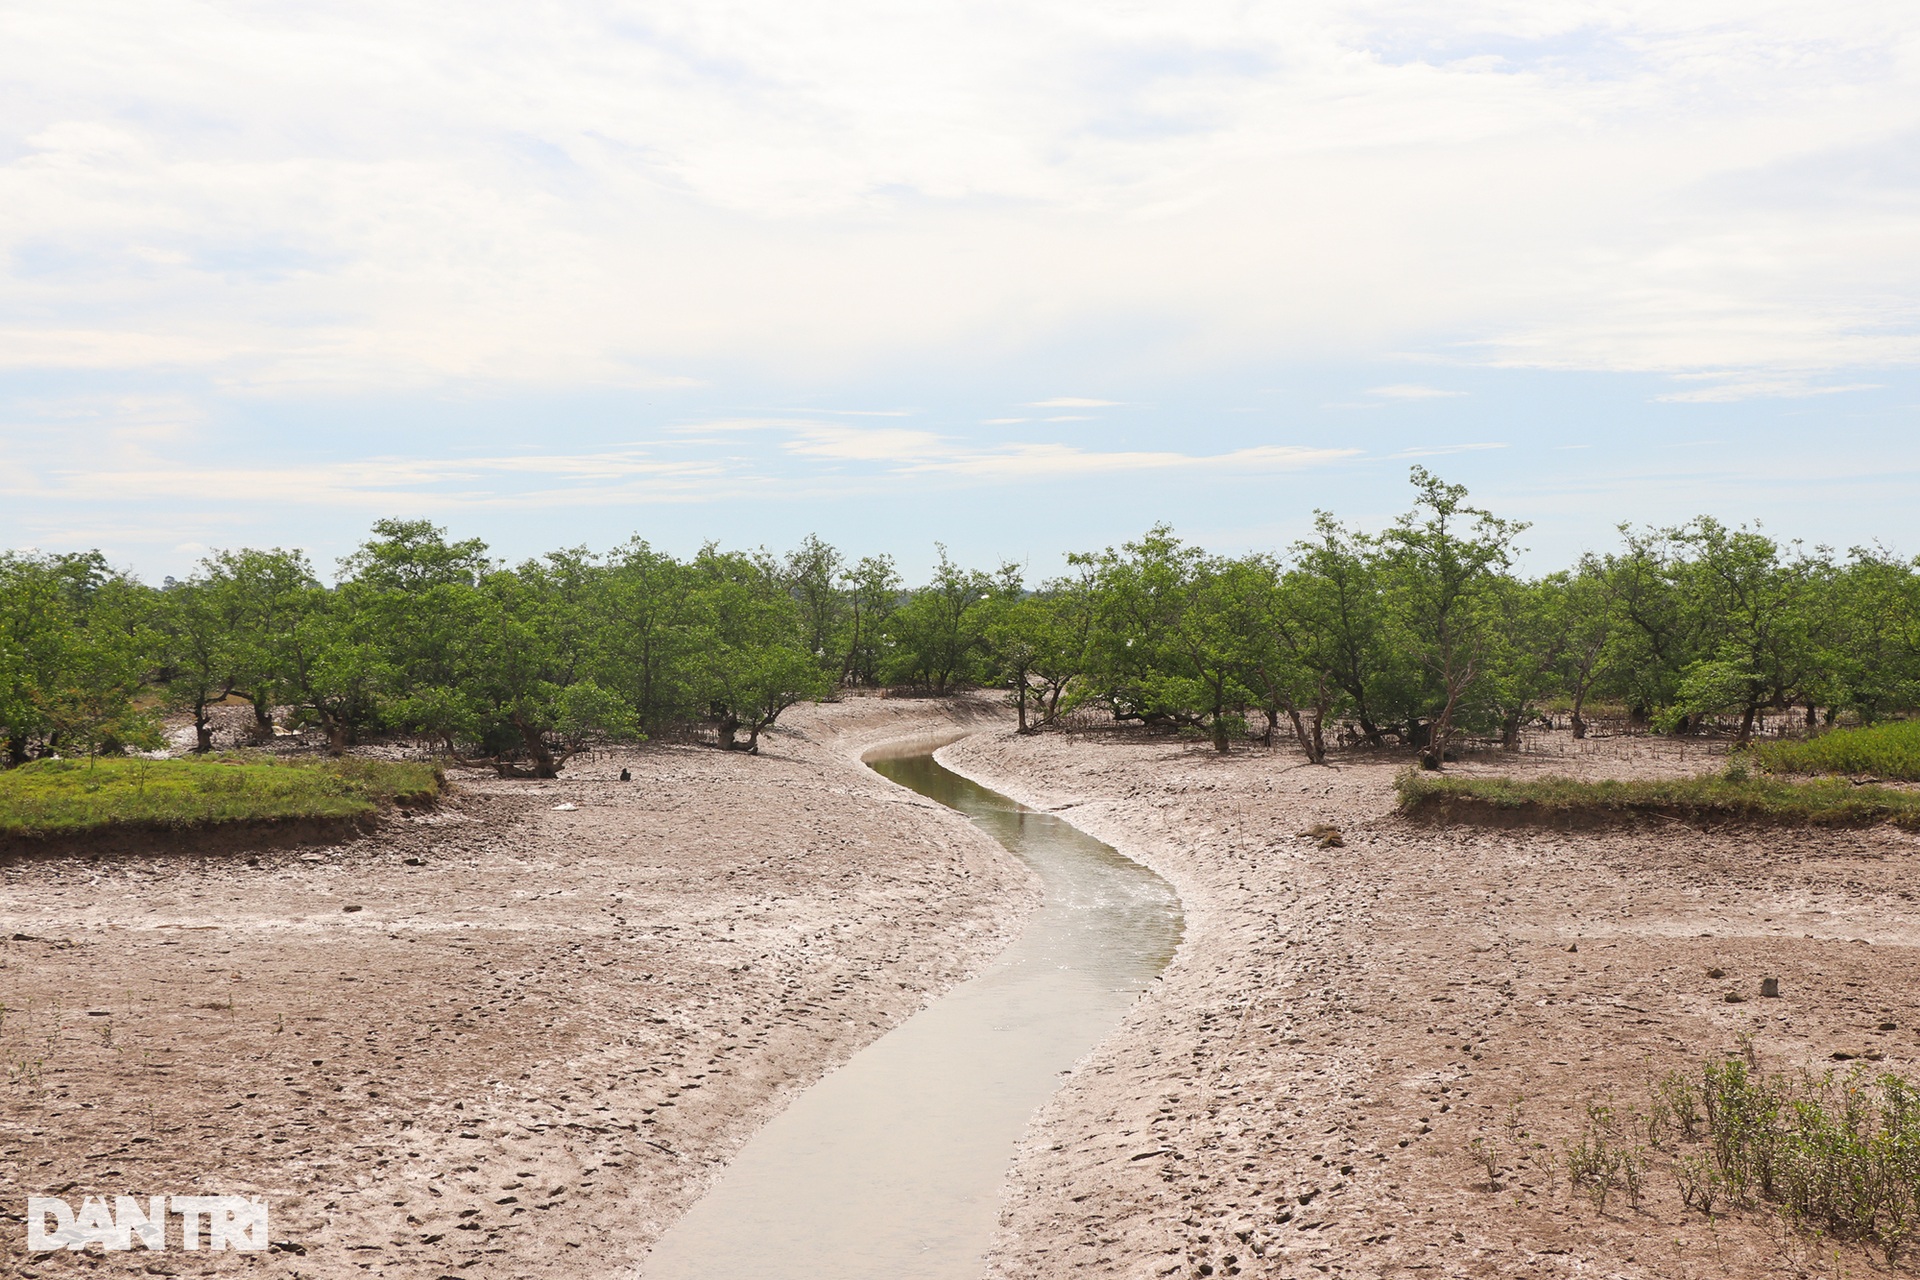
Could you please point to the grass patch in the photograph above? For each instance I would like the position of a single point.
(1839, 1155)
(64, 797)
(1884, 750)
(1708, 798)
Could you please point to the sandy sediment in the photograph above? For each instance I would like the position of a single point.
(513, 1036)
(1297, 1097)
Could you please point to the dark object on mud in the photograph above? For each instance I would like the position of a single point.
(1324, 836)
(1770, 988)
(626, 775)
(1734, 997)
(1716, 973)
(353, 907)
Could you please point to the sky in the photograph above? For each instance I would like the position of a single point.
(1018, 279)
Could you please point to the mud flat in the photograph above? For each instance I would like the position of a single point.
(891, 1168)
(514, 1036)
(1297, 1096)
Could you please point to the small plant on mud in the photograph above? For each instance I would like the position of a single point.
(1484, 1150)
(1741, 1116)
(1700, 1183)
(1602, 1160)
(1675, 1102)
(1516, 1128)
(1594, 1161)
(1837, 1156)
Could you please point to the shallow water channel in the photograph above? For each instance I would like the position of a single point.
(890, 1168)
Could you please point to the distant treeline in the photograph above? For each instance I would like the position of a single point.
(1414, 634)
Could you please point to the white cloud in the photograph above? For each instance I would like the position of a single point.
(1074, 402)
(854, 444)
(1412, 391)
(1446, 450)
(344, 196)
(134, 474)
(925, 452)
(905, 452)
(607, 477)
(1057, 460)
(1727, 388)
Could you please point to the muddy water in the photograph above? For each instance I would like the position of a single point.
(890, 1168)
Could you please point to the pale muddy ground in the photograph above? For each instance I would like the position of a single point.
(528, 1053)
(1297, 1095)
(535, 1041)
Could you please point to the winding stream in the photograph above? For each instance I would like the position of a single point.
(890, 1168)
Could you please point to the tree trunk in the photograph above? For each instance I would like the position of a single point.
(202, 733)
(1220, 743)
(1020, 695)
(1438, 734)
(336, 736)
(1433, 751)
(1746, 725)
(1510, 733)
(1311, 740)
(262, 717)
(544, 765)
(1812, 719)
(1579, 724)
(16, 750)
(1372, 731)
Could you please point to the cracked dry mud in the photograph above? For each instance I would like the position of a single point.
(1296, 1097)
(527, 1053)
(533, 1043)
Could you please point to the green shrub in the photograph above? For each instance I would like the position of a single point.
(1834, 803)
(1838, 1154)
(1884, 750)
(1603, 1160)
(54, 797)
